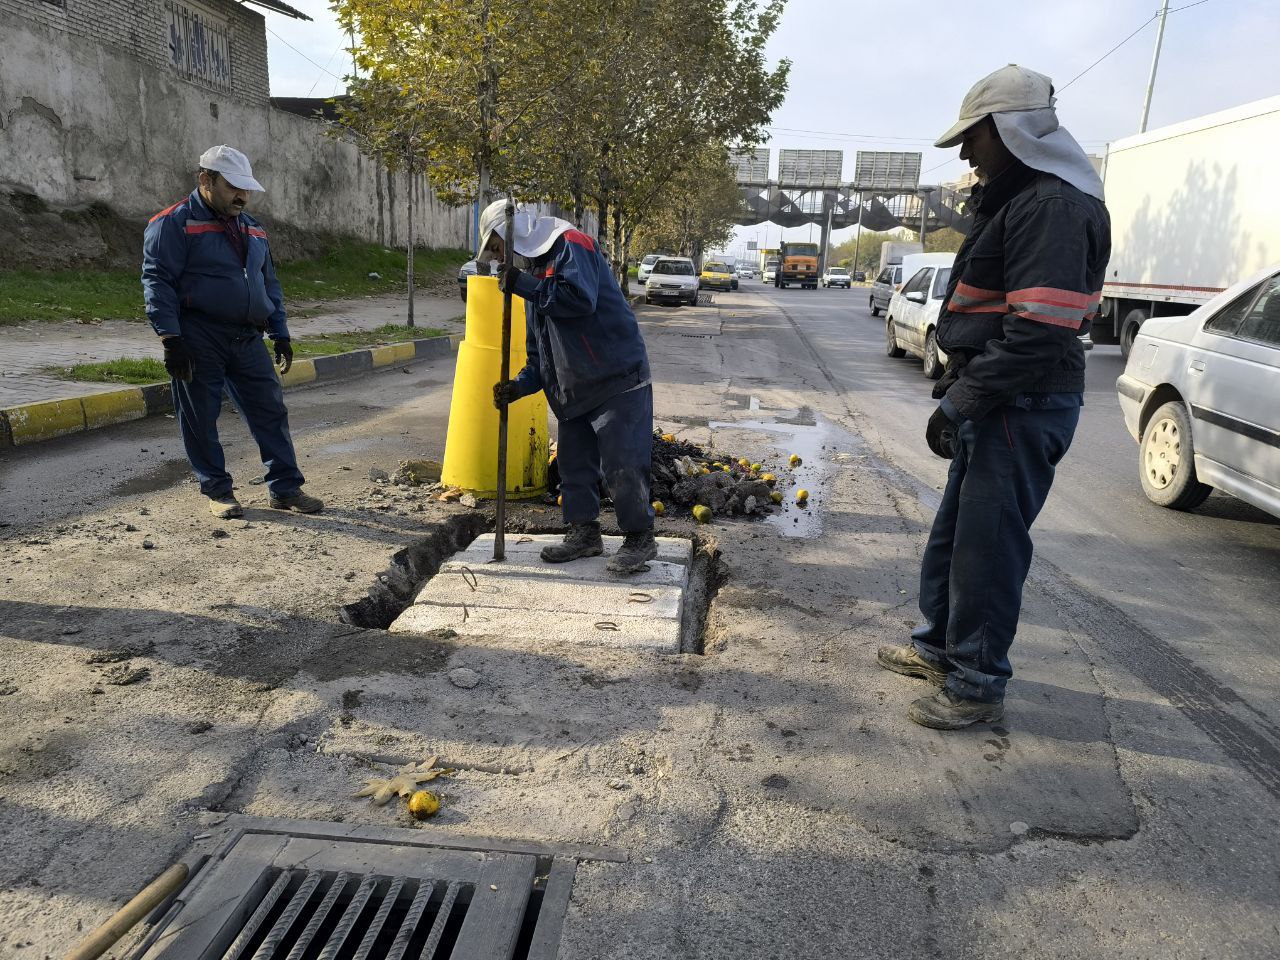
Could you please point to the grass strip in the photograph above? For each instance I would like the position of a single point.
(348, 269)
(140, 370)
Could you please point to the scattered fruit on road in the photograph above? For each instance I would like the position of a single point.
(794, 460)
(424, 804)
(658, 508)
(776, 497)
(669, 437)
(769, 478)
(702, 514)
(802, 495)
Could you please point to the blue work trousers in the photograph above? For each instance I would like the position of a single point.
(613, 443)
(238, 361)
(979, 550)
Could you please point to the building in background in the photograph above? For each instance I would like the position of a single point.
(111, 102)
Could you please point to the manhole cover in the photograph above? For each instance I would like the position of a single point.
(296, 890)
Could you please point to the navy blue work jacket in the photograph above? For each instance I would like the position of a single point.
(192, 273)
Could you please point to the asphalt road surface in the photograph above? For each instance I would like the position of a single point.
(164, 675)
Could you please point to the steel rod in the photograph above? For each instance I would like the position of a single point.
(500, 523)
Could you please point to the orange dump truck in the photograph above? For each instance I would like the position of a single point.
(798, 264)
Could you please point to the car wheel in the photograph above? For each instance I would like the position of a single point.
(875, 311)
(1166, 460)
(933, 367)
(891, 348)
(1129, 329)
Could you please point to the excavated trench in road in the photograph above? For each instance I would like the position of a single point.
(446, 581)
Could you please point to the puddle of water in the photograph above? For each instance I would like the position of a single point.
(157, 478)
(806, 440)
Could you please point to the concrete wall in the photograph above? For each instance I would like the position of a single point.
(84, 120)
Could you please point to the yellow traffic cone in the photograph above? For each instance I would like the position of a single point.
(471, 446)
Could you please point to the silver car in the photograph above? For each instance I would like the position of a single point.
(1201, 395)
(884, 286)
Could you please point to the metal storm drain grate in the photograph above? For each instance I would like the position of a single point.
(297, 890)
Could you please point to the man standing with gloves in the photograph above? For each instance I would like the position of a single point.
(586, 353)
(211, 292)
(1025, 284)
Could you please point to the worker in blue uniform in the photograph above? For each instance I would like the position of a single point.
(585, 352)
(211, 292)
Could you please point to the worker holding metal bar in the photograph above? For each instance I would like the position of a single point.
(586, 353)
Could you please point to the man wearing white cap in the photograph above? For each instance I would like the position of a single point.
(211, 292)
(1025, 285)
(586, 353)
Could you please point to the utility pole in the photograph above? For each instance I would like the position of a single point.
(1155, 62)
(924, 211)
(857, 242)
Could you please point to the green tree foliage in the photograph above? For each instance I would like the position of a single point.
(587, 102)
(695, 212)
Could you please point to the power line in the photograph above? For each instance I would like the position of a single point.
(1154, 16)
(303, 55)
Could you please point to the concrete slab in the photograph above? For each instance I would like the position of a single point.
(588, 569)
(554, 595)
(522, 626)
(524, 599)
(670, 549)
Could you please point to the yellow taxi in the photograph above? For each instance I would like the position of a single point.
(717, 276)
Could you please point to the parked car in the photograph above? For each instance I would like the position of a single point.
(1199, 394)
(912, 318)
(884, 287)
(717, 276)
(468, 269)
(836, 277)
(672, 278)
(770, 271)
(860, 276)
(746, 273)
(646, 266)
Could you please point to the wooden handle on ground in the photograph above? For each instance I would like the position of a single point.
(127, 917)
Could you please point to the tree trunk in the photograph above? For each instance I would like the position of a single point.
(412, 241)
(377, 182)
(619, 259)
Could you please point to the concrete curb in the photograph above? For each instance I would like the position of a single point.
(34, 422)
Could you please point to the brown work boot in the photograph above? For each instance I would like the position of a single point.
(635, 553)
(580, 540)
(907, 661)
(946, 711)
(299, 501)
(226, 507)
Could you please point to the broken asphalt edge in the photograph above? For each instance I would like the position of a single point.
(34, 422)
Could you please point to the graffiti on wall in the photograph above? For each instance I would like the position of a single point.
(199, 46)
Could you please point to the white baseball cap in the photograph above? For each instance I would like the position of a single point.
(232, 164)
(1010, 89)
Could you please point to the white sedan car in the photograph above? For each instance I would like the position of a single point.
(912, 318)
(672, 279)
(1201, 395)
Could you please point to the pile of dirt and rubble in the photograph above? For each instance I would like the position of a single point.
(685, 476)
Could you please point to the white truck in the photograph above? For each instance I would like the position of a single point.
(1194, 209)
(892, 251)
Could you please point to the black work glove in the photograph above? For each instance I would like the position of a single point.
(508, 277)
(942, 435)
(956, 362)
(284, 354)
(506, 392)
(177, 359)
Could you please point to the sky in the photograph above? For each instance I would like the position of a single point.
(890, 74)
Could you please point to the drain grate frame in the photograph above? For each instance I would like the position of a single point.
(309, 890)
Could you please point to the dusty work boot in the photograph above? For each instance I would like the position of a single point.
(945, 711)
(580, 540)
(226, 507)
(299, 501)
(635, 553)
(908, 662)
